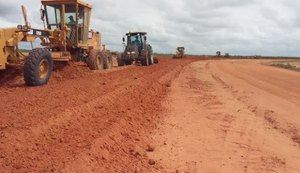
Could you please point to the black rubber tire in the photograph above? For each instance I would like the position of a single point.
(155, 60)
(120, 60)
(150, 54)
(32, 67)
(108, 61)
(129, 62)
(151, 60)
(145, 61)
(95, 60)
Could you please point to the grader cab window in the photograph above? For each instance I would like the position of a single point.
(84, 15)
(76, 17)
(71, 20)
(53, 16)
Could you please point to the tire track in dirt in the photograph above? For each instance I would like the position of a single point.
(272, 117)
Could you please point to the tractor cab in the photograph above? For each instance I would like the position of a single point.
(70, 16)
(137, 38)
(137, 49)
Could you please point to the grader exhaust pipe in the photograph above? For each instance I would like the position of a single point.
(24, 11)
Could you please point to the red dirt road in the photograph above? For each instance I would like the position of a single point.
(83, 121)
(231, 116)
(177, 116)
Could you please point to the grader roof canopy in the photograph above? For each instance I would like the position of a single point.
(47, 2)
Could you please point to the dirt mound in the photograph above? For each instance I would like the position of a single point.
(69, 70)
(11, 76)
(62, 71)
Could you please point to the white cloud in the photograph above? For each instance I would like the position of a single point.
(264, 27)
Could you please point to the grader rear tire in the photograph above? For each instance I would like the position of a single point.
(108, 62)
(38, 67)
(95, 60)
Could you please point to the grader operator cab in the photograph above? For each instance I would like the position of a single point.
(179, 53)
(137, 49)
(66, 36)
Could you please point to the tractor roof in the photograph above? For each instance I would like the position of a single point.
(136, 33)
(48, 2)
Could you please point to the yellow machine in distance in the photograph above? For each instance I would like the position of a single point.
(179, 53)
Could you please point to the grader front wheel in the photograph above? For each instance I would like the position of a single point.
(38, 67)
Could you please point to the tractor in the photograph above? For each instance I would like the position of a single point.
(66, 36)
(137, 50)
(179, 53)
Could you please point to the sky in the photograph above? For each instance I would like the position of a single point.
(237, 27)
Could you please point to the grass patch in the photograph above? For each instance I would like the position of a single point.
(287, 65)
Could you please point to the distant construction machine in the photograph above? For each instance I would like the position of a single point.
(66, 36)
(180, 53)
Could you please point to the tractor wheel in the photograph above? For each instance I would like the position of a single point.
(128, 62)
(108, 62)
(95, 60)
(38, 67)
(155, 60)
(120, 60)
(145, 61)
(150, 55)
(151, 60)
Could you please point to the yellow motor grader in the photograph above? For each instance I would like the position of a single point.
(66, 36)
(179, 53)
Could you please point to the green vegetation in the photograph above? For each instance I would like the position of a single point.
(287, 65)
(25, 50)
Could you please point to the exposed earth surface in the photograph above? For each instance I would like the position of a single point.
(184, 115)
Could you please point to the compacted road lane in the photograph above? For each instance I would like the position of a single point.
(231, 116)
